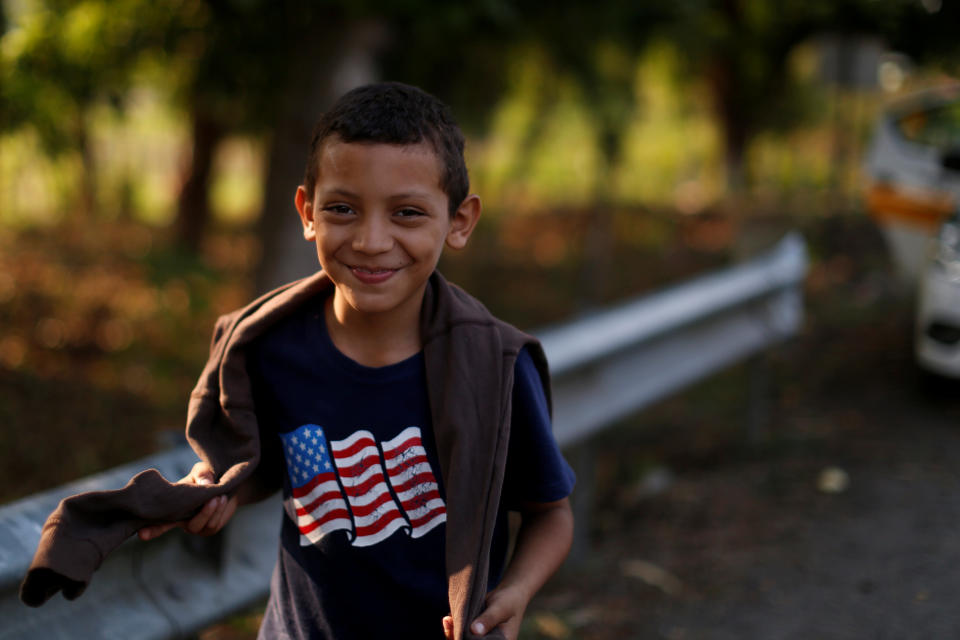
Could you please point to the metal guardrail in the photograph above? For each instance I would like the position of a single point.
(604, 367)
(613, 363)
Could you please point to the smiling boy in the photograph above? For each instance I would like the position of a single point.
(400, 420)
(430, 416)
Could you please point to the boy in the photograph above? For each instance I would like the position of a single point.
(399, 417)
(375, 541)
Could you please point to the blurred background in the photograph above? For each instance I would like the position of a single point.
(149, 153)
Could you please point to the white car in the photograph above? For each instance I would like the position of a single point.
(914, 192)
(937, 340)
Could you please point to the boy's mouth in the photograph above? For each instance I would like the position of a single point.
(372, 275)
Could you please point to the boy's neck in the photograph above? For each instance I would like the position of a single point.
(373, 340)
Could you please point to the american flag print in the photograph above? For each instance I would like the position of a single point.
(413, 481)
(368, 489)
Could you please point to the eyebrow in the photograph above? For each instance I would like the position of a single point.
(339, 191)
(409, 194)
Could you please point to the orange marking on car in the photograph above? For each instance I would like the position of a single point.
(927, 211)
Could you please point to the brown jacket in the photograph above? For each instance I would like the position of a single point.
(469, 357)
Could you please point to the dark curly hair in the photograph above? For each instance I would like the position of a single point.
(394, 113)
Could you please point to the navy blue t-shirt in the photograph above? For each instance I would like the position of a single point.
(363, 536)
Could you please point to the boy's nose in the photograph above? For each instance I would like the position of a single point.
(372, 236)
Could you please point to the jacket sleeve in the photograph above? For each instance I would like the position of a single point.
(86, 527)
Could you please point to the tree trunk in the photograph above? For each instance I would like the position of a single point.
(727, 86)
(323, 75)
(88, 177)
(599, 239)
(193, 203)
(733, 121)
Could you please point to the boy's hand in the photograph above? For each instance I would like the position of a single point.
(210, 519)
(505, 608)
(542, 543)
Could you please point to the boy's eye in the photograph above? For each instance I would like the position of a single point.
(339, 209)
(409, 213)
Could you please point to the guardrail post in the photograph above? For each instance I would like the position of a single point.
(583, 459)
(758, 409)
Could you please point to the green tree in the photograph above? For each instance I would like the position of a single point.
(62, 59)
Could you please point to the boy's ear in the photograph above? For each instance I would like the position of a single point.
(463, 222)
(305, 209)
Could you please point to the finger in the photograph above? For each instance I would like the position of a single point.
(224, 512)
(493, 616)
(201, 473)
(498, 611)
(448, 627)
(211, 526)
(197, 523)
(153, 531)
(228, 511)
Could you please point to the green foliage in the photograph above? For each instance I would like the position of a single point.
(238, 63)
(598, 44)
(64, 56)
(466, 53)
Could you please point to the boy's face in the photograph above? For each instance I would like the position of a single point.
(380, 220)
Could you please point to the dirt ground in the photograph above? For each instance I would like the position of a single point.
(838, 519)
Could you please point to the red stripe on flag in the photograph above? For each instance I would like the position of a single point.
(359, 467)
(355, 448)
(379, 525)
(421, 499)
(360, 511)
(419, 479)
(330, 515)
(309, 508)
(299, 492)
(362, 489)
(430, 515)
(397, 449)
